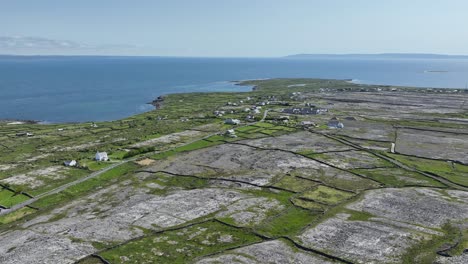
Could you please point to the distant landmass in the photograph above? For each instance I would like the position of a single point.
(378, 56)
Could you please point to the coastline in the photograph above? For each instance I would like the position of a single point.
(9, 121)
(158, 102)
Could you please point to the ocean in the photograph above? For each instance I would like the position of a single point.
(79, 89)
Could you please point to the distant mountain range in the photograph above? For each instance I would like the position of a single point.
(378, 56)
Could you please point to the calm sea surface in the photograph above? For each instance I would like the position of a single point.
(76, 89)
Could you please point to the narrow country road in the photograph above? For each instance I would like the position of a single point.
(401, 165)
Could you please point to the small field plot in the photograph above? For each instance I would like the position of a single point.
(395, 177)
(181, 246)
(453, 172)
(303, 142)
(275, 251)
(40, 180)
(327, 195)
(368, 130)
(352, 160)
(11, 217)
(337, 178)
(9, 198)
(295, 184)
(435, 145)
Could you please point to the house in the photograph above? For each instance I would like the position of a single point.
(335, 123)
(70, 163)
(304, 111)
(231, 121)
(219, 113)
(250, 118)
(256, 111)
(230, 133)
(22, 134)
(307, 124)
(101, 156)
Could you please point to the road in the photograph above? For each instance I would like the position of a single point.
(401, 165)
(95, 174)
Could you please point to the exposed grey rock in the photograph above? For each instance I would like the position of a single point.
(402, 218)
(421, 206)
(430, 144)
(137, 210)
(28, 247)
(276, 251)
(250, 211)
(302, 141)
(236, 162)
(360, 241)
(462, 259)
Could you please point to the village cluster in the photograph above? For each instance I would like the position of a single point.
(279, 111)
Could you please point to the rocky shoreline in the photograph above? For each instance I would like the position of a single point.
(18, 121)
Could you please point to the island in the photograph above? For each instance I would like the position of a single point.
(294, 171)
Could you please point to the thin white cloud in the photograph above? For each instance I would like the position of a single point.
(26, 45)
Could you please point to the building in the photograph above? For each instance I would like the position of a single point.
(335, 123)
(101, 156)
(305, 111)
(250, 118)
(307, 124)
(22, 134)
(70, 163)
(230, 133)
(231, 121)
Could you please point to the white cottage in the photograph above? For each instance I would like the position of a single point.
(335, 123)
(231, 121)
(101, 156)
(70, 163)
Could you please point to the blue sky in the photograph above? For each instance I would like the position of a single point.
(240, 28)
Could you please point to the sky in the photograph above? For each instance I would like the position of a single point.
(240, 28)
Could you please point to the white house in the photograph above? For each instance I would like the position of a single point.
(335, 123)
(70, 163)
(230, 133)
(101, 156)
(231, 121)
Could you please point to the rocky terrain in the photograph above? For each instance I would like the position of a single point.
(271, 191)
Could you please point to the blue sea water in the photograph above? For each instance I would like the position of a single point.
(77, 89)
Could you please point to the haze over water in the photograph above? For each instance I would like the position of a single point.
(77, 89)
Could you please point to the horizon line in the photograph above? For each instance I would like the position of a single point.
(240, 57)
